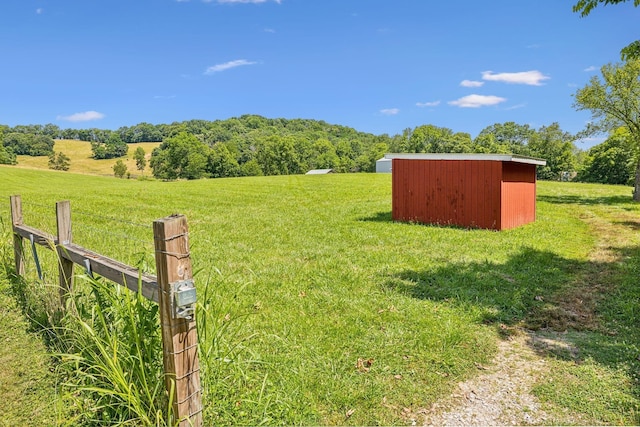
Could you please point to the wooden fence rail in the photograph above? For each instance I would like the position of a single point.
(173, 289)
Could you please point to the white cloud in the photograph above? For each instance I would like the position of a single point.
(428, 104)
(532, 78)
(390, 111)
(475, 101)
(82, 117)
(228, 65)
(471, 83)
(39, 11)
(591, 68)
(515, 107)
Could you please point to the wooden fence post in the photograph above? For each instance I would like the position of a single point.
(16, 219)
(65, 266)
(179, 335)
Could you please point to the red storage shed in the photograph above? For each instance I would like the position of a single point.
(495, 191)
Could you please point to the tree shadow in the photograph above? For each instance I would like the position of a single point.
(591, 306)
(584, 200)
(505, 293)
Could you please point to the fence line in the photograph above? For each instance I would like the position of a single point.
(103, 231)
(112, 219)
(173, 289)
(111, 233)
(40, 205)
(89, 214)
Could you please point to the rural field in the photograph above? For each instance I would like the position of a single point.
(81, 162)
(315, 308)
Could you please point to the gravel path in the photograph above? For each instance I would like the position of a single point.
(501, 396)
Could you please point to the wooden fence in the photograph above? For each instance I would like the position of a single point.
(173, 290)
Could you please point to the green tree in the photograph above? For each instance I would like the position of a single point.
(3, 129)
(7, 157)
(612, 162)
(614, 101)
(367, 161)
(59, 161)
(556, 147)
(41, 145)
(112, 147)
(346, 158)
(434, 139)
(28, 144)
(139, 156)
(325, 155)
(584, 7)
(488, 143)
(510, 137)
(17, 142)
(251, 168)
(119, 169)
(142, 132)
(180, 156)
(221, 162)
(277, 156)
(305, 153)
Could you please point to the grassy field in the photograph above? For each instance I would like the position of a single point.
(81, 162)
(321, 310)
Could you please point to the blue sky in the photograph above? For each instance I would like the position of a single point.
(379, 66)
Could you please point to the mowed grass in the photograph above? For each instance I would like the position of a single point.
(322, 310)
(81, 162)
(27, 386)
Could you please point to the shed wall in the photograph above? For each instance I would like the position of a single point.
(457, 192)
(383, 166)
(518, 194)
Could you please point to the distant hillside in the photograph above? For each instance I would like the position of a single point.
(81, 162)
(239, 146)
(254, 145)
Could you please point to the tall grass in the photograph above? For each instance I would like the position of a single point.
(110, 356)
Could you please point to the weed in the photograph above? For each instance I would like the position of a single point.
(109, 352)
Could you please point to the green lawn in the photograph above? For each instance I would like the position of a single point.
(302, 276)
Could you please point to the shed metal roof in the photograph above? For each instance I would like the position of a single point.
(319, 171)
(467, 156)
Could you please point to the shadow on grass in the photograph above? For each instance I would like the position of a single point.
(584, 200)
(633, 225)
(387, 217)
(594, 307)
(378, 217)
(506, 293)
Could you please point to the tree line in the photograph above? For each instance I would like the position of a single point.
(254, 145)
